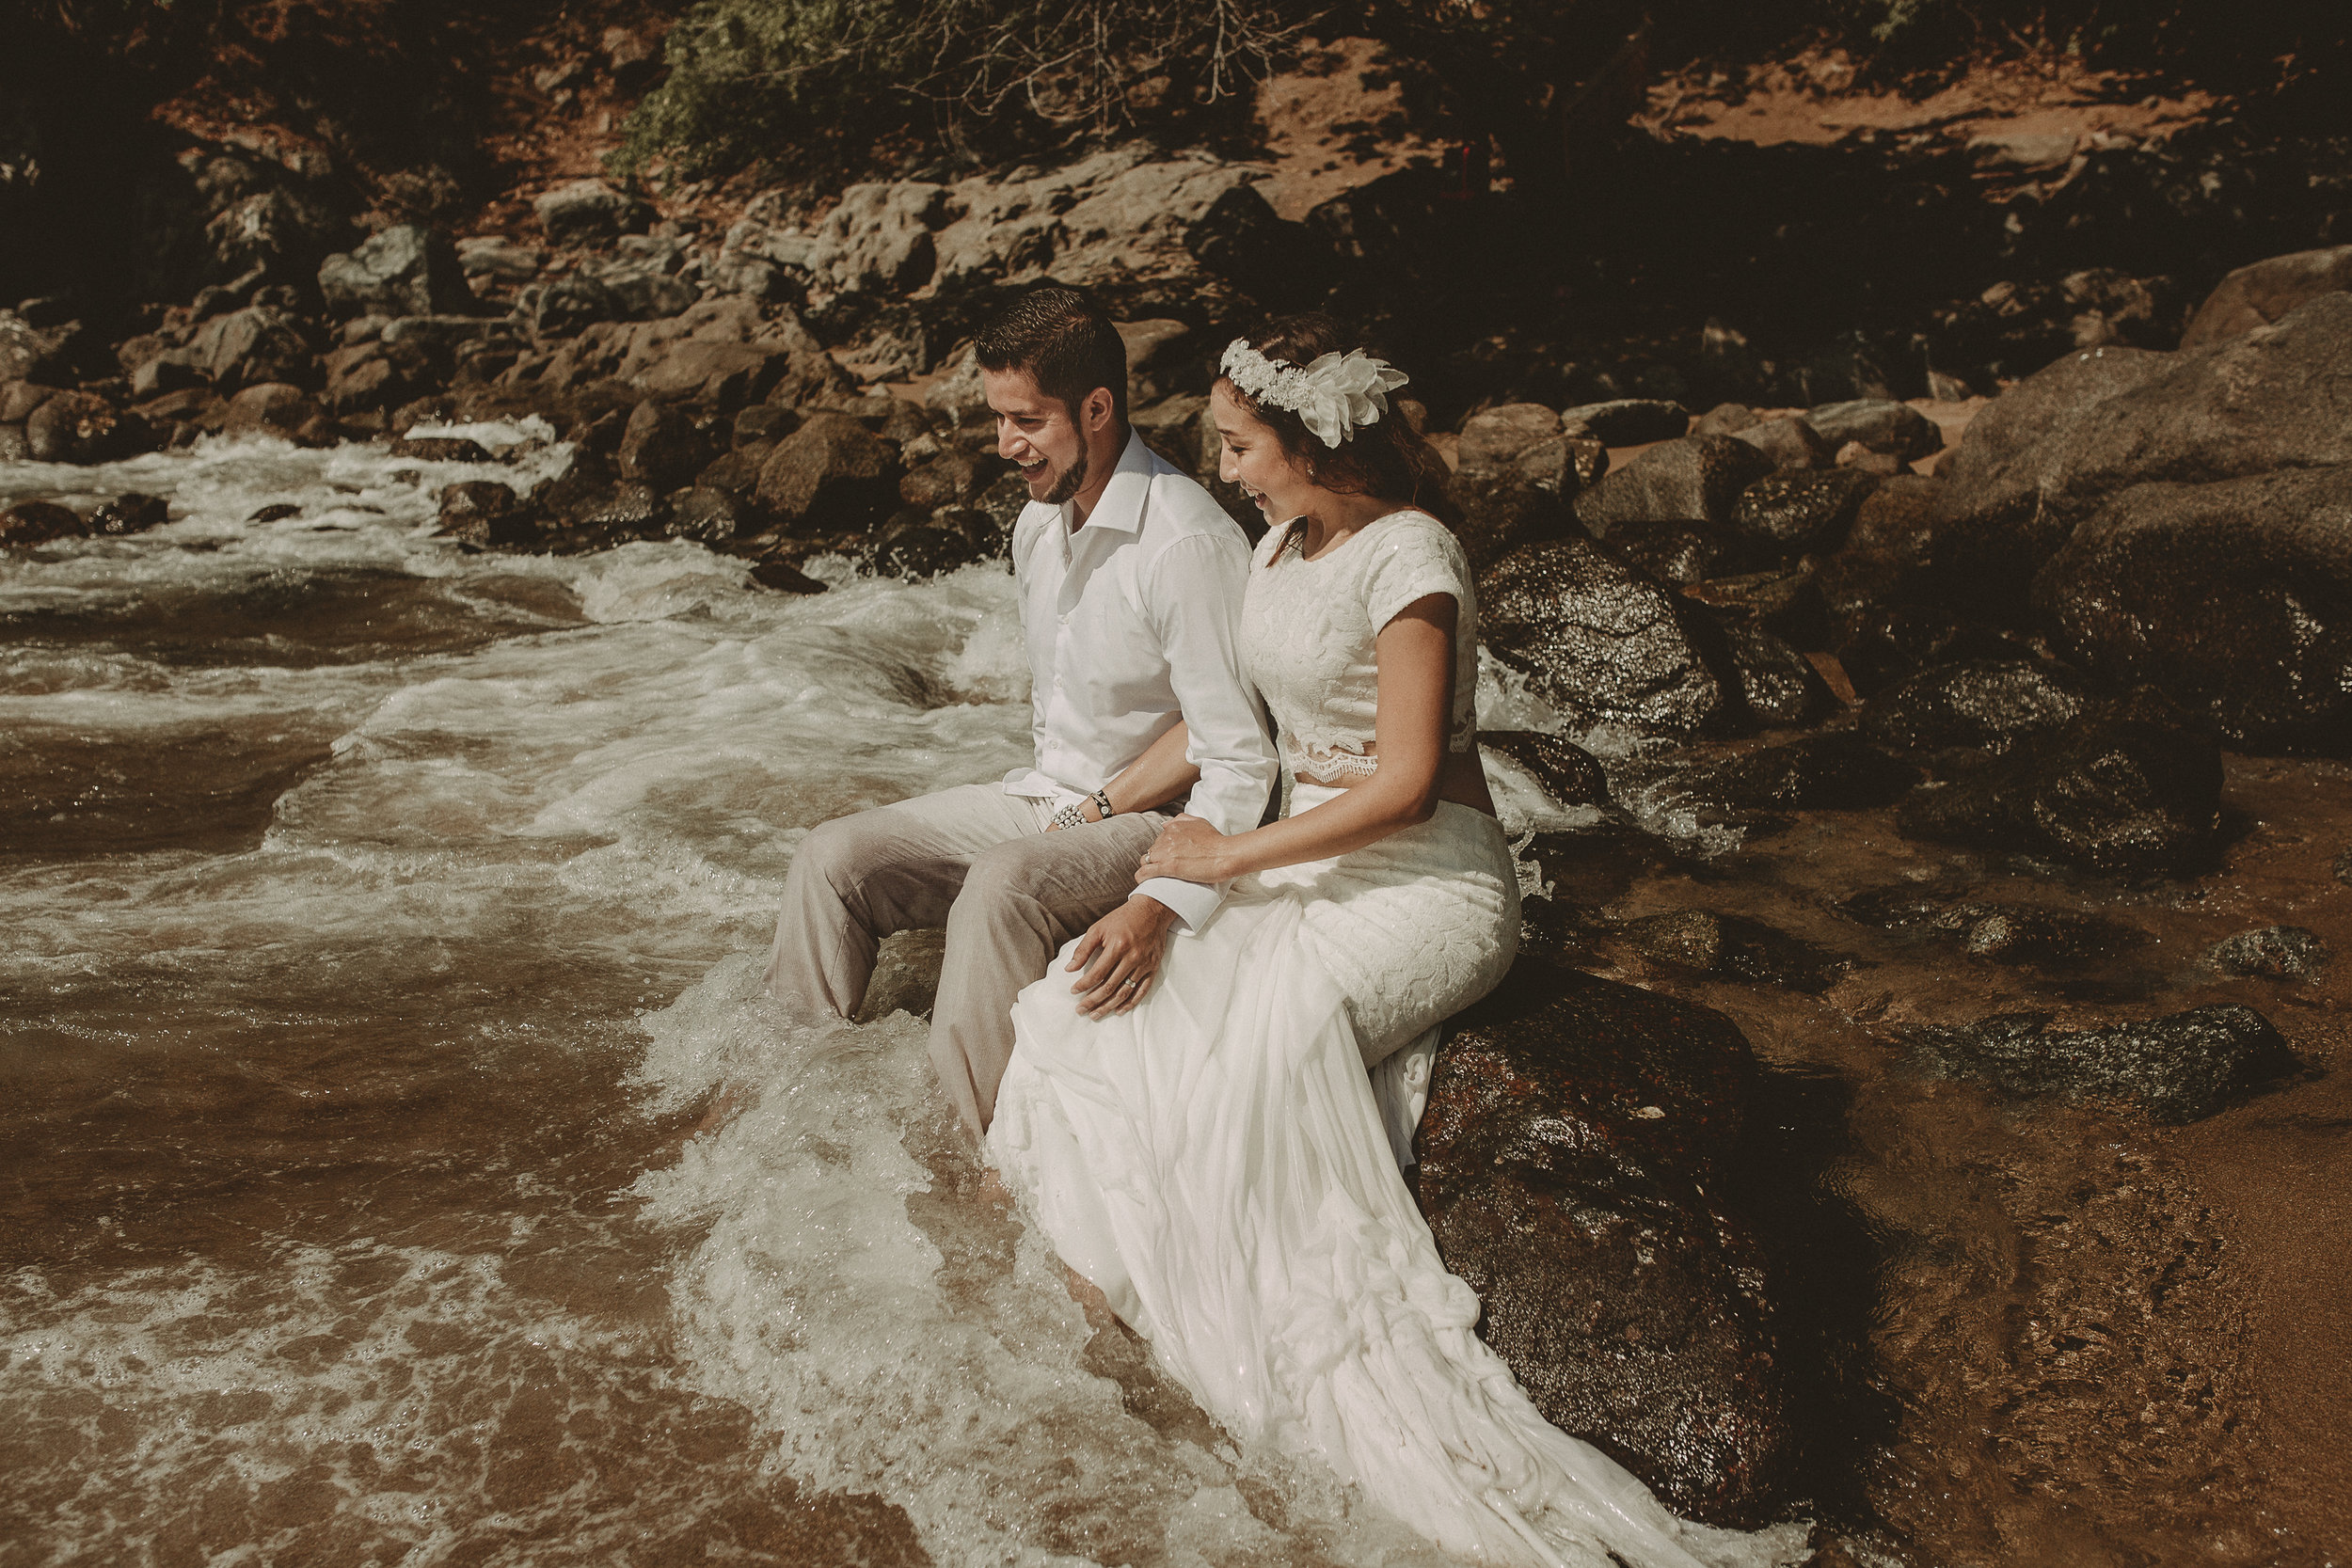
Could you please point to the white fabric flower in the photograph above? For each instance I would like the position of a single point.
(1331, 397)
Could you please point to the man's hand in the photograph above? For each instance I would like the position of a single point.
(1120, 955)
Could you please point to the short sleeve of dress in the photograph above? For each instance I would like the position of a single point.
(1415, 556)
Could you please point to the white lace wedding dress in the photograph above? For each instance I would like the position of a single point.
(1217, 1159)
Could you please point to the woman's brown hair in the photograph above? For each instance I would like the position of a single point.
(1388, 460)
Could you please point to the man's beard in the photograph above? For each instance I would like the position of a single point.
(1073, 481)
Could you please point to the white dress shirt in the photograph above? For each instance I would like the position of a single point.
(1130, 623)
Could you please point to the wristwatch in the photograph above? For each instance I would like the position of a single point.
(1101, 798)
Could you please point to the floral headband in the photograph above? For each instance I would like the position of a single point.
(1331, 397)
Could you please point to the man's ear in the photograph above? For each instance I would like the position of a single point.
(1098, 408)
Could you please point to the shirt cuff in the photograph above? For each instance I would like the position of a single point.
(1192, 903)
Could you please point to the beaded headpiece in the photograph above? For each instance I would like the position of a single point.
(1331, 397)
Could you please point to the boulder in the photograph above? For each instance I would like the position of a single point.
(81, 427)
(440, 448)
(2174, 1070)
(2125, 788)
(407, 270)
(785, 577)
(951, 478)
(500, 259)
(39, 522)
(1569, 774)
(40, 354)
(1896, 429)
(17, 398)
(271, 407)
(907, 966)
(1564, 465)
(1604, 643)
(1839, 772)
(1795, 513)
(639, 292)
(1572, 1170)
(2262, 292)
(1502, 512)
(1695, 478)
(2272, 952)
(1491, 438)
(485, 513)
(2027, 934)
(248, 347)
(587, 211)
(921, 551)
(661, 446)
(1726, 418)
(1241, 240)
(1790, 442)
(1682, 552)
(1163, 359)
(1889, 552)
(830, 474)
(1733, 947)
(1778, 685)
(2234, 599)
(129, 513)
(1627, 422)
(878, 237)
(1978, 707)
(706, 516)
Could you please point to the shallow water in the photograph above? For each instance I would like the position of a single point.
(381, 916)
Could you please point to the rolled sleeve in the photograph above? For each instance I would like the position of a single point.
(1191, 902)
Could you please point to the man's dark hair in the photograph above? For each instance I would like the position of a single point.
(1062, 338)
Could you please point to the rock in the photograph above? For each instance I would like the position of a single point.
(1879, 647)
(2015, 933)
(1162, 359)
(276, 511)
(785, 577)
(921, 551)
(1782, 600)
(1570, 1169)
(2274, 952)
(246, 348)
(830, 474)
(17, 398)
(494, 256)
(270, 406)
(2176, 1069)
(722, 376)
(81, 427)
(2058, 447)
(1790, 442)
(1502, 512)
(1978, 706)
(640, 293)
(1170, 427)
(2123, 788)
(2344, 867)
(407, 270)
(1681, 553)
(486, 513)
(2260, 293)
(1564, 465)
(1735, 948)
(440, 448)
(1696, 479)
(586, 212)
(1888, 555)
(2234, 599)
(1726, 418)
(1569, 774)
(705, 515)
(761, 422)
(951, 478)
(906, 970)
(1861, 459)
(39, 522)
(1603, 643)
(661, 446)
(38, 353)
(1794, 513)
(1896, 429)
(1492, 438)
(1778, 685)
(623, 509)
(1240, 239)
(878, 238)
(1627, 422)
(1826, 772)
(129, 513)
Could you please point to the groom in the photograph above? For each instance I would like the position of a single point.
(1130, 579)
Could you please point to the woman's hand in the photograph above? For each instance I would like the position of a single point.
(1189, 850)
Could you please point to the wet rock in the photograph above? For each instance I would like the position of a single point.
(1696, 479)
(1790, 442)
(2234, 599)
(1880, 646)
(2259, 294)
(39, 522)
(1979, 706)
(2274, 952)
(1492, 438)
(407, 270)
(361, 376)
(920, 551)
(1826, 772)
(1569, 774)
(601, 515)
(1791, 514)
(2126, 788)
(276, 511)
(1571, 1171)
(1500, 512)
(1779, 686)
(2175, 1069)
(951, 478)
(13, 446)
(245, 348)
(129, 513)
(440, 448)
(81, 427)
(785, 577)
(1627, 422)
(1603, 643)
(485, 513)
(906, 974)
(1684, 552)
(737, 474)
(1734, 947)
(661, 446)
(2023, 933)
(1564, 465)
(762, 422)
(1784, 601)
(586, 212)
(705, 515)
(831, 472)
(1896, 429)
(1886, 555)
(270, 407)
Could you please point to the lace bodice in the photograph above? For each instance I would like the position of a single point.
(1308, 631)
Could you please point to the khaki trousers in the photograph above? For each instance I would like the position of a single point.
(977, 861)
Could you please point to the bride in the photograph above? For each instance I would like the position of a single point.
(1212, 1155)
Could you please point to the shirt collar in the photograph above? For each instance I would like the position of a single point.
(1121, 510)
